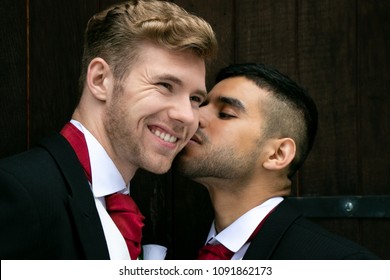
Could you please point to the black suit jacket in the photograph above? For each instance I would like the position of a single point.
(287, 235)
(47, 210)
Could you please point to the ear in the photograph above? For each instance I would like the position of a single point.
(282, 153)
(99, 78)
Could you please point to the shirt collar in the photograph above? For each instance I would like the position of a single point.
(237, 234)
(106, 178)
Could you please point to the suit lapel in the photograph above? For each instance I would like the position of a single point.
(264, 243)
(80, 198)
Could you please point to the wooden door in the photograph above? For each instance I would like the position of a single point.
(337, 49)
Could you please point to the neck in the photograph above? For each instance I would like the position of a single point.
(96, 128)
(231, 200)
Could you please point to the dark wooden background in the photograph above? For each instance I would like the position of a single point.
(338, 49)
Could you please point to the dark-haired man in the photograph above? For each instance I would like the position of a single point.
(255, 131)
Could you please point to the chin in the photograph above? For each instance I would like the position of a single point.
(160, 168)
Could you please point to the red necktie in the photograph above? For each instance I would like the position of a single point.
(214, 252)
(121, 207)
(77, 140)
(219, 251)
(129, 220)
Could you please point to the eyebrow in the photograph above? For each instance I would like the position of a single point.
(173, 79)
(234, 102)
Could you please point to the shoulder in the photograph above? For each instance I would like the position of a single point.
(29, 161)
(35, 167)
(304, 239)
(319, 243)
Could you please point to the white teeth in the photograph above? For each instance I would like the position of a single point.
(165, 136)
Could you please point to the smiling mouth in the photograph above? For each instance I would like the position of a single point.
(164, 136)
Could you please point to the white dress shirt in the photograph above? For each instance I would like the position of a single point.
(236, 235)
(106, 180)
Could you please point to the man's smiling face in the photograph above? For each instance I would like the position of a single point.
(154, 112)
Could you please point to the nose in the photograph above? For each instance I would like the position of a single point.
(203, 117)
(183, 112)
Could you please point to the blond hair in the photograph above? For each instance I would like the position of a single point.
(116, 34)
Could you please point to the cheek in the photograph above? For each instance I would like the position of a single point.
(141, 104)
(241, 137)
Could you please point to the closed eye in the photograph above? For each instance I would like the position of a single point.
(204, 103)
(225, 116)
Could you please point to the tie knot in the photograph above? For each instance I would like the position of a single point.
(215, 252)
(129, 220)
(119, 202)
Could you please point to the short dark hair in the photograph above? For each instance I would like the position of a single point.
(291, 112)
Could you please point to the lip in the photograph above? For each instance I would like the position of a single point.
(165, 145)
(196, 139)
(164, 129)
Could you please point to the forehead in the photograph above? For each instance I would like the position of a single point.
(241, 89)
(150, 53)
(182, 66)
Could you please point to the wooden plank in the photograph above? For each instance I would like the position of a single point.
(265, 31)
(56, 29)
(13, 77)
(327, 67)
(373, 114)
(103, 4)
